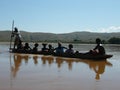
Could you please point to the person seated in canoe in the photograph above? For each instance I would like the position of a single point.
(17, 37)
(60, 49)
(35, 48)
(44, 49)
(70, 49)
(98, 49)
(50, 49)
(27, 48)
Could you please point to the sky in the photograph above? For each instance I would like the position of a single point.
(60, 16)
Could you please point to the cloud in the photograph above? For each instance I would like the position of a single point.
(111, 29)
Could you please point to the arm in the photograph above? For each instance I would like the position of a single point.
(96, 47)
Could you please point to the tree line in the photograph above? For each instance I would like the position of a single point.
(113, 40)
(75, 37)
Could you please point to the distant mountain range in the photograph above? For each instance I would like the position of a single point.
(79, 37)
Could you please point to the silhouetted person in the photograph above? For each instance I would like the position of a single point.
(99, 49)
(20, 46)
(35, 48)
(70, 49)
(27, 48)
(60, 49)
(17, 37)
(50, 49)
(44, 49)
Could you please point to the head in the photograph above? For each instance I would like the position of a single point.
(50, 46)
(70, 46)
(36, 44)
(59, 44)
(16, 30)
(98, 40)
(44, 44)
(26, 44)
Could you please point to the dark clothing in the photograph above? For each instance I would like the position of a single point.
(44, 49)
(51, 50)
(69, 51)
(99, 49)
(60, 50)
(17, 38)
(98, 45)
(35, 49)
(26, 48)
(19, 46)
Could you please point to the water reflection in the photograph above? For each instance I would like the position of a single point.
(69, 61)
(35, 58)
(58, 60)
(97, 66)
(17, 63)
(47, 59)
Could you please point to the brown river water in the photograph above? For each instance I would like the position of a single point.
(39, 72)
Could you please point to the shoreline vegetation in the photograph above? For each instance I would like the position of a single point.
(74, 37)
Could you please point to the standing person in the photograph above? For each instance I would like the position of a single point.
(19, 46)
(17, 36)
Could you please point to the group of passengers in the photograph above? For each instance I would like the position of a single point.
(58, 50)
(45, 49)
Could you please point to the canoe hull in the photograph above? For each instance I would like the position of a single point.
(80, 56)
(88, 56)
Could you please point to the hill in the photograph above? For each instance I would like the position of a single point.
(83, 37)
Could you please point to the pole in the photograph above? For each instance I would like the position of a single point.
(11, 34)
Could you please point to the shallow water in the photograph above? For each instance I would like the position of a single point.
(38, 72)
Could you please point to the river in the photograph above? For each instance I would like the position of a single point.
(39, 72)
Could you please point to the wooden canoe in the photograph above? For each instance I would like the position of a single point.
(80, 55)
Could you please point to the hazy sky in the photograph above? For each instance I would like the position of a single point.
(61, 16)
